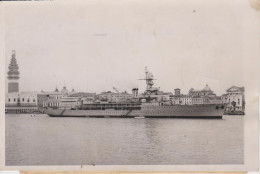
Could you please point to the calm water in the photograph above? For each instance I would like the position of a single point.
(43, 140)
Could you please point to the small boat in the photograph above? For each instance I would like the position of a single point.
(140, 117)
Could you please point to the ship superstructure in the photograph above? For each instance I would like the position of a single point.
(149, 83)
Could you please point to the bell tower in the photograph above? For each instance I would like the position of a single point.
(13, 75)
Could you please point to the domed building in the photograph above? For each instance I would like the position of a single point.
(64, 90)
(191, 90)
(206, 88)
(206, 91)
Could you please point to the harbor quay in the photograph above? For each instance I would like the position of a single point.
(38, 102)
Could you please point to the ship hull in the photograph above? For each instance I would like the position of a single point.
(174, 111)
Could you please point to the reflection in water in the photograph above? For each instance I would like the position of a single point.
(43, 140)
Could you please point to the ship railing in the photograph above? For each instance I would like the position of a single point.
(115, 108)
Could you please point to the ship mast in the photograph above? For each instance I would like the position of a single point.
(149, 79)
(149, 83)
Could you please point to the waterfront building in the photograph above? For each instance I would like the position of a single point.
(65, 102)
(185, 100)
(51, 102)
(53, 98)
(215, 100)
(195, 97)
(13, 75)
(175, 99)
(69, 102)
(21, 99)
(15, 101)
(41, 98)
(196, 100)
(204, 96)
(44, 98)
(235, 100)
(28, 102)
(21, 102)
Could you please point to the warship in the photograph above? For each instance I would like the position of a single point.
(145, 105)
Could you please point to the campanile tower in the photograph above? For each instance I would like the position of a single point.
(13, 75)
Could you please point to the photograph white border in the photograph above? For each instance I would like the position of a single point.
(250, 124)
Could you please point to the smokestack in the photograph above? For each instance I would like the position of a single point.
(135, 92)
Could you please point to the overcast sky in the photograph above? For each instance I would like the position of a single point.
(97, 45)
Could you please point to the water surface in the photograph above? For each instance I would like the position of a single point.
(43, 140)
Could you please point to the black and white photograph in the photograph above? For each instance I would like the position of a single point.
(130, 83)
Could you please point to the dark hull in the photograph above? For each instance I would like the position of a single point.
(175, 111)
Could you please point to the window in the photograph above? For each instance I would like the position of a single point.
(238, 101)
(33, 100)
(9, 100)
(14, 99)
(22, 99)
(28, 100)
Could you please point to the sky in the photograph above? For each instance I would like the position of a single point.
(93, 46)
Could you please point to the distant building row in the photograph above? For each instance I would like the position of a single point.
(204, 96)
(234, 98)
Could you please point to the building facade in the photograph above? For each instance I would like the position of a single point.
(185, 100)
(235, 100)
(21, 102)
(51, 102)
